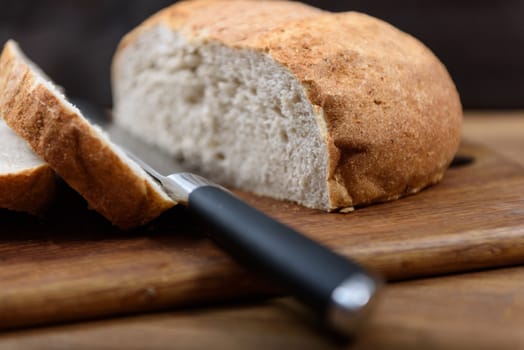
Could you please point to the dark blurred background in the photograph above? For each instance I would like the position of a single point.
(481, 42)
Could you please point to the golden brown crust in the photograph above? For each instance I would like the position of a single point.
(392, 112)
(68, 143)
(231, 21)
(31, 190)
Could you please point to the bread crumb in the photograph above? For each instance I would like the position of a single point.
(346, 210)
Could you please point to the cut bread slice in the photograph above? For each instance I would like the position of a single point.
(26, 183)
(284, 100)
(80, 153)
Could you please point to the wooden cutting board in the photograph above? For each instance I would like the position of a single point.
(74, 265)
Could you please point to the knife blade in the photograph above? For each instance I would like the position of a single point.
(338, 289)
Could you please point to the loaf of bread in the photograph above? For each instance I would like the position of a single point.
(26, 182)
(80, 153)
(329, 110)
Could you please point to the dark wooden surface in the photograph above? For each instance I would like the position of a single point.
(482, 310)
(75, 266)
(479, 310)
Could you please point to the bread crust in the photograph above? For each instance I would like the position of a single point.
(69, 144)
(31, 190)
(392, 112)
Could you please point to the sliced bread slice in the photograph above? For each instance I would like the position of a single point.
(80, 153)
(26, 182)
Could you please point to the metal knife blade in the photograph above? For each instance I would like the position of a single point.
(157, 158)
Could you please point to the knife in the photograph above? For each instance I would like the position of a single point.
(339, 290)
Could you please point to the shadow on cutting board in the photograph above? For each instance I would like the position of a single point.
(69, 219)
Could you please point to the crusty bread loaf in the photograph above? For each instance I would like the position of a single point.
(81, 154)
(26, 182)
(282, 99)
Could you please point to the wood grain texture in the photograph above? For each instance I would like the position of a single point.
(482, 310)
(500, 131)
(75, 266)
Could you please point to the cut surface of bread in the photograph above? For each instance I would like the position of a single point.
(80, 153)
(284, 100)
(26, 182)
(243, 119)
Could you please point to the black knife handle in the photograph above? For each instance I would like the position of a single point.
(337, 288)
